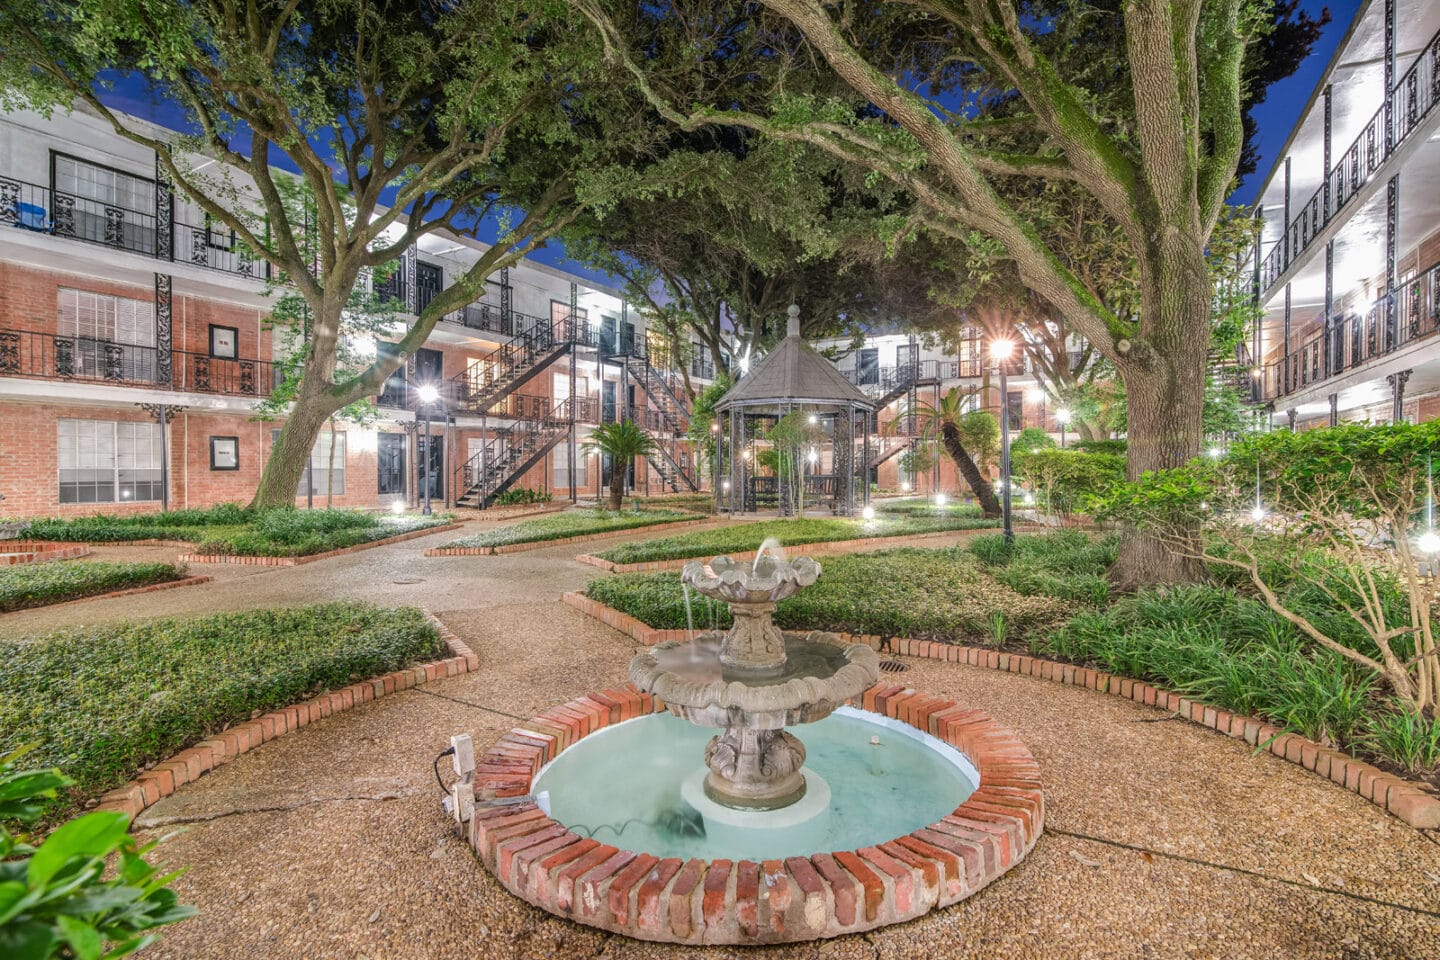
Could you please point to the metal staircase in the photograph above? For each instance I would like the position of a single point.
(506, 456)
(504, 370)
(669, 420)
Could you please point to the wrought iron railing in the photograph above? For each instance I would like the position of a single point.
(1414, 96)
(510, 451)
(493, 376)
(30, 206)
(1391, 322)
(51, 356)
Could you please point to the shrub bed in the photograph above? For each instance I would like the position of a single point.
(929, 594)
(925, 507)
(571, 523)
(748, 536)
(229, 529)
(41, 584)
(104, 702)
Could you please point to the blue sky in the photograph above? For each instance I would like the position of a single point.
(1274, 119)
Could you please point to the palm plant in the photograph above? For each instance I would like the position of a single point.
(623, 441)
(957, 429)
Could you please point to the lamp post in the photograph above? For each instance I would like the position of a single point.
(1000, 352)
(1062, 417)
(428, 395)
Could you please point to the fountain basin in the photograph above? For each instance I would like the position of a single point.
(771, 897)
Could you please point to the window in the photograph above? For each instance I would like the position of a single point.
(1015, 408)
(560, 464)
(218, 235)
(224, 453)
(390, 463)
(224, 342)
(107, 206)
(102, 461)
(113, 337)
(103, 185)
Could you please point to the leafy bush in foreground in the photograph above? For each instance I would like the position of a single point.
(935, 594)
(103, 702)
(40, 584)
(747, 537)
(56, 899)
(571, 523)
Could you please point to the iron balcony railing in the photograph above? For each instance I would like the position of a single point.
(30, 206)
(1414, 96)
(1408, 314)
(51, 356)
(888, 378)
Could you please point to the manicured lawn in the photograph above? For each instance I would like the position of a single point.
(933, 594)
(41, 584)
(229, 529)
(102, 702)
(571, 523)
(927, 507)
(747, 537)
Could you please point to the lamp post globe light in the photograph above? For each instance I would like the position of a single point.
(1000, 351)
(1062, 417)
(428, 396)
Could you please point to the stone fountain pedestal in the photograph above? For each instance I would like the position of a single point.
(754, 680)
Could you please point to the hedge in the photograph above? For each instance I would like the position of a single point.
(41, 584)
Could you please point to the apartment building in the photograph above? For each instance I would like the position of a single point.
(1348, 268)
(134, 347)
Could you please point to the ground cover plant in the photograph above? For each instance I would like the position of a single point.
(571, 523)
(103, 702)
(927, 507)
(58, 899)
(941, 594)
(1223, 644)
(748, 536)
(41, 584)
(229, 529)
(516, 495)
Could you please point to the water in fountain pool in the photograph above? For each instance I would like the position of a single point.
(636, 785)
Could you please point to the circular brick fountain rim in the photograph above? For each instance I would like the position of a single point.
(748, 902)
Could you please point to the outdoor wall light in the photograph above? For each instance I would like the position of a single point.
(939, 499)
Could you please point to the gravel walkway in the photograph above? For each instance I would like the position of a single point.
(1163, 839)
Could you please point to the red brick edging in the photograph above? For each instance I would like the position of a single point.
(541, 544)
(311, 558)
(516, 513)
(15, 552)
(811, 549)
(1403, 798)
(745, 902)
(165, 778)
(149, 588)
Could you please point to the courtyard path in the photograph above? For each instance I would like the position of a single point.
(1162, 839)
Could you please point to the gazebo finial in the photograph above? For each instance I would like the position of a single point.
(792, 325)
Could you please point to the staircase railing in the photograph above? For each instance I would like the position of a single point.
(510, 453)
(504, 369)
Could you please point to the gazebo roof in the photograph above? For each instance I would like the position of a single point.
(794, 373)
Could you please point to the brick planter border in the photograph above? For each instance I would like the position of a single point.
(1405, 799)
(311, 558)
(16, 552)
(745, 902)
(541, 544)
(811, 549)
(515, 513)
(189, 764)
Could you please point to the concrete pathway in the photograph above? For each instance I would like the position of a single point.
(1163, 839)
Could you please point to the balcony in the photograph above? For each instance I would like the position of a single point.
(48, 356)
(1409, 314)
(29, 206)
(1411, 102)
(924, 371)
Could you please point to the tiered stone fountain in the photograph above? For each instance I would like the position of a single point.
(754, 681)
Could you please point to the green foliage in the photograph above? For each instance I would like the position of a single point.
(748, 536)
(39, 584)
(926, 507)
(1099, 446)
(1067, 481)
(522, 495)
(1031, 440)
(702, 418)
(57, 898)
(232, 530)
(1066, 564)
(1405, 737)
(104, 701)
(571, 523)
(917, 461)
(980, 436)
(936, 594)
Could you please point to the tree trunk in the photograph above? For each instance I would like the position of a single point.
(984, 492)
(289, 456)
(617, 483)
(330, 469)
(1165, 390)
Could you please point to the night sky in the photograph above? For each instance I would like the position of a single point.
(1274, 118)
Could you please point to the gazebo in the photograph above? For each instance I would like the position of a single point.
(793, 377)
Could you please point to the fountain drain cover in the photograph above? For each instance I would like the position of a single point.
(894, 666)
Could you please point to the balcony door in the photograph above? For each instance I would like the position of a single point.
(867, 365)
(429, 368)
(429, 281)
